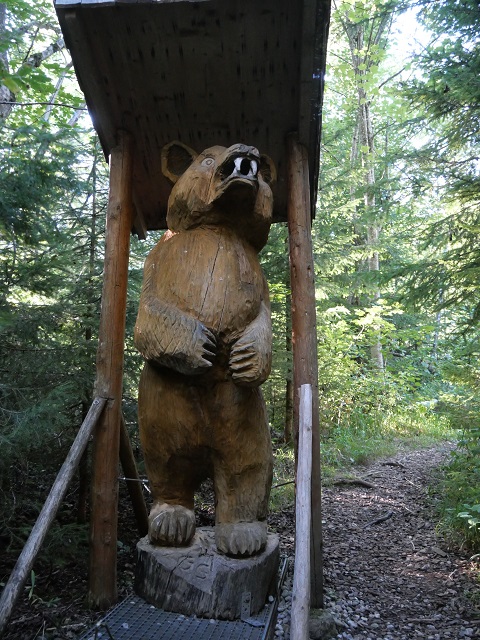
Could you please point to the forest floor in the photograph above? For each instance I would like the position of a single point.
(389, 575)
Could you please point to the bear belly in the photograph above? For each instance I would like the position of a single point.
(213, 276)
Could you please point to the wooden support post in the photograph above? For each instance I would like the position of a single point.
(302, 575)
(24, 564)
(304, 333)
(134, 485)
(103, 528)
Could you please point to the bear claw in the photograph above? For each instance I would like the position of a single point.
(171, 525)
(241, 539)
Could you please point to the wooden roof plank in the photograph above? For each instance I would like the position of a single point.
(210, 72)
(70, 3)
(103, 3)
(316, 20)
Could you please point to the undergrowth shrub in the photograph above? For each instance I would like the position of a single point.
(459, 402)
(364, 436)
(460, 490)
(282, 494)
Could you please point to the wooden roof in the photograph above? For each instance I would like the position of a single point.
(207, 72)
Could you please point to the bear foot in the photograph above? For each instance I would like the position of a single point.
(171, 525)
(241, 539)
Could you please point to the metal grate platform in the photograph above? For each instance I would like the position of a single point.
(135, 619)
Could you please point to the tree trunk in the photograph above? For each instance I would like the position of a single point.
(438, 320)
(304, 332)
(289, 389)
(6, 95)
(83, 477)
(83, 468)
(363, 145)
(103, 526)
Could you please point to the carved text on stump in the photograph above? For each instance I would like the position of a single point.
(199, 581)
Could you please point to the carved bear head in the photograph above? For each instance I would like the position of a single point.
(220, 187)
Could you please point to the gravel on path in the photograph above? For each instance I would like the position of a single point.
(388, 574)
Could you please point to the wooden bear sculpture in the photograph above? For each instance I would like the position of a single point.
(204, 330)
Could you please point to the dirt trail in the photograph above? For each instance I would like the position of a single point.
(388, 575)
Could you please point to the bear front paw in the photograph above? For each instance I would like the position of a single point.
(241, 539)
(171, 525)
(203, 351)
(191, 353)
(247, 366)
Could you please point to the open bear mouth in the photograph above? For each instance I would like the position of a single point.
(239, 167)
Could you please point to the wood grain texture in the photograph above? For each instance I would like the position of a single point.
(103, 523)
(200, 581)
(204, 329)
(304, 334)
(303, 520)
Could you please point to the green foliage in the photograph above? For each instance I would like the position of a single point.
(446, 94)
(274, 260)
(47, 304)
(421, 306)
(34, 66)
(379, 432)
(472, 516)
(460, 502)
(459, 402)
(443, 277)
(282, 495)
(448, 89)
(426, 165)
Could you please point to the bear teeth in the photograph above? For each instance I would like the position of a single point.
(245, 167)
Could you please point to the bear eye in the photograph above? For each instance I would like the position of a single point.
(207, 162)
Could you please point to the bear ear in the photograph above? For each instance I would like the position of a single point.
(176, 158)
(267, 169)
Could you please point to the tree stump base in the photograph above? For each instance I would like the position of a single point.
(198, 580)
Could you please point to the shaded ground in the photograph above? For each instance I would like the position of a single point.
(388, 576)
(55, 609)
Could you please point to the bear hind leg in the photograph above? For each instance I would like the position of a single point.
(172, 519)
(241, 510)
(243, 465)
